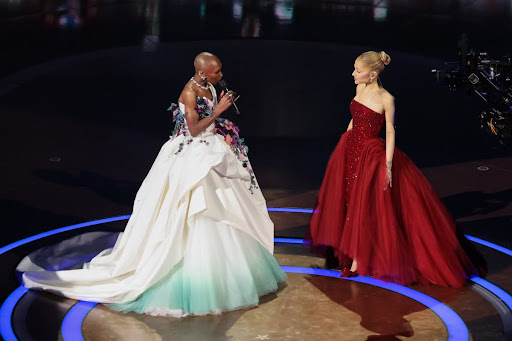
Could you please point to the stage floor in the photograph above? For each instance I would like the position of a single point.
(312, 304)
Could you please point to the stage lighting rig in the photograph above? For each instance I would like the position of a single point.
(490, 80)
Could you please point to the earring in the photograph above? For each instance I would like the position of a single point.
(203, 77)
(371, 79)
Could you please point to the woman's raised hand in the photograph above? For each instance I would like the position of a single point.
(225, 101)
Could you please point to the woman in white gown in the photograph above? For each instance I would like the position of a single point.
(199, 240)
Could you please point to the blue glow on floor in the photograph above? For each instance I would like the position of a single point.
(489, 244)
(8, 306)
(71, 327)
(457, 329)
(497, 291)
(108, 220)
(82, 308)
(60, 230)
(288, 240)
(6, 313)
(289, 209)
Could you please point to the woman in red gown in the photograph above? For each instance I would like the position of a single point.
(376, 209)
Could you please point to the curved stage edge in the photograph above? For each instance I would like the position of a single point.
(456, 328)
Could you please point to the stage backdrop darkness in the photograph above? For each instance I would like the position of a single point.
(288, 89)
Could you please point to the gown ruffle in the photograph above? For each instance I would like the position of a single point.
(403, 233)
(198, 241)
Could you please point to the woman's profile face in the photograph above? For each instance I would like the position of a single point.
(214, 73)
(361, 72)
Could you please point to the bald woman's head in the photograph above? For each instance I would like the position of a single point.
(208, 65)
(206, 60)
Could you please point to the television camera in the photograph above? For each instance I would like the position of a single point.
(490, 80)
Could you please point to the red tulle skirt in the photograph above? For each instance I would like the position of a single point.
(402, 234)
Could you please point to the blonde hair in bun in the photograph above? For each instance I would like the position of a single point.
(376, 61)
(386, 59)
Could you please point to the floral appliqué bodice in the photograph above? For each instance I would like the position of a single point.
(366, 125)
(225, 128)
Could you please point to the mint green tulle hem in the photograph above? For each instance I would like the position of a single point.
(196, 288)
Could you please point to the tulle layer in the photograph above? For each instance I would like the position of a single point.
(402, 234)
(223, 269)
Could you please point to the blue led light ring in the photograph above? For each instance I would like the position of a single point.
(8, 306)
(270, 209)
(289, 209)
(288, 240)
(501, 294)
(108, 220)
(457, 329)
(60, 230)
(489, 244)
(7, 309)
(71, 327)
(473, 239)
(6, 313)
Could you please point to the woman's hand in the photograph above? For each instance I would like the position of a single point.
(225, 101)
(195, 125)
(389, 181)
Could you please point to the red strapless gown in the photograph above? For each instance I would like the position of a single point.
(402, 234)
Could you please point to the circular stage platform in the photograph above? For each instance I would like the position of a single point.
(313, 304)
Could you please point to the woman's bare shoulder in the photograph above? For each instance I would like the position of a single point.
(386, 96)
(187, 94)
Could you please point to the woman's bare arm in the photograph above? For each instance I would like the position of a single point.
(195, 125)
(389, 112)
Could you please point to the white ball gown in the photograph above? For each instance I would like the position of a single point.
(199, 240)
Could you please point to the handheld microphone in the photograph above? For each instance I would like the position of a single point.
(224, 86)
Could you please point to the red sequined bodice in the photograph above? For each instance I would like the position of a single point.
(366, 125)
